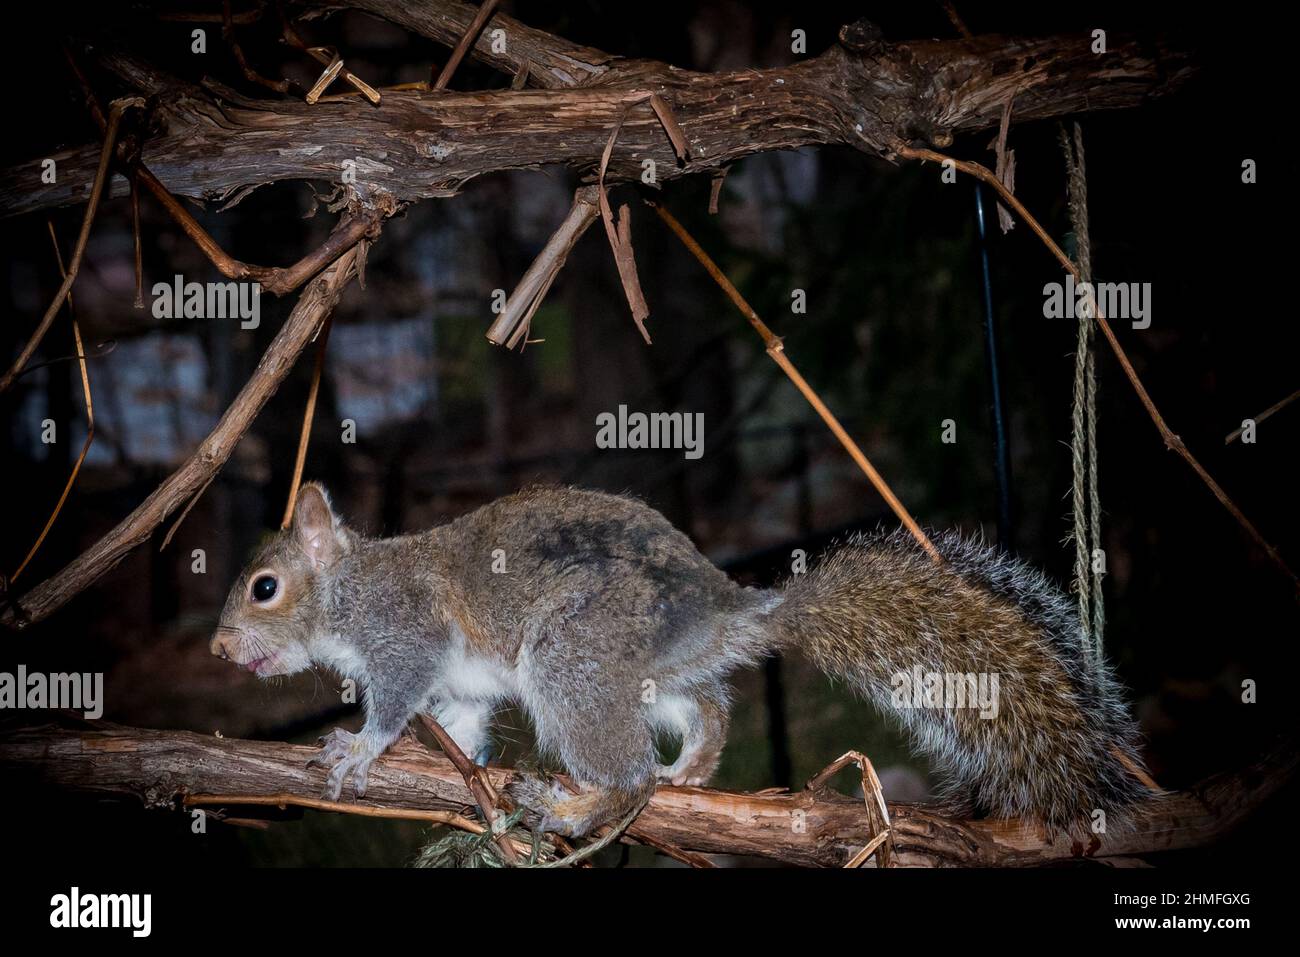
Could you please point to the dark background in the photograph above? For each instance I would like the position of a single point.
(892, 340)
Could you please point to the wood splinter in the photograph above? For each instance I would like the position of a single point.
(512, 325)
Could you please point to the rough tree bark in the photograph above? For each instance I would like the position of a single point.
(161, 767)
(214, 143)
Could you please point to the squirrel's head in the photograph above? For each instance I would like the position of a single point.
(274, 611)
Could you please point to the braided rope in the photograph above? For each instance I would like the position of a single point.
(1083, 445)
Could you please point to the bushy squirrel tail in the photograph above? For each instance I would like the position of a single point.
(983, 662)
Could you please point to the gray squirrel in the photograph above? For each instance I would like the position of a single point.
(606, 625)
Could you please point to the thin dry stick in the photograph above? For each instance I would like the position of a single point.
(90, 417)
(285, 799)
(135, 228)
(471, 33)
(92, 206)
(274, 279)
(864, 855)
(1171, 440)
(308, 414)
(516, 318)
(690, 858)
(332, 70)
(777, 351)
(1136, 770)
(250, 74)
(1275, 407)
(475, 780)
(715, 190)
(669, 122)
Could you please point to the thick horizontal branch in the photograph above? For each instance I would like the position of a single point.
(814, 828)
(215, 143)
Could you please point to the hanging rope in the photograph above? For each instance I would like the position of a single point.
(1083, 446)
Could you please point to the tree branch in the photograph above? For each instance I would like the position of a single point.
(313, 306)
(817, 827)
(875, 96)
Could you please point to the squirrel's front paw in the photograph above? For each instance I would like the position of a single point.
(343, 753)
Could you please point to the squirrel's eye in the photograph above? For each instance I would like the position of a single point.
(264, 588)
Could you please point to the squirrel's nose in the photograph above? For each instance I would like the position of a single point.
(221, 645)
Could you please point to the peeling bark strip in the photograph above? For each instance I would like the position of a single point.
(161, 767)
(215, 143)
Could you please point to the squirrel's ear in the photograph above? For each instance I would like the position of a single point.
(316, 527)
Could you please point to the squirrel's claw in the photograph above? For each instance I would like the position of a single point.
(343, 753)
(335, 746)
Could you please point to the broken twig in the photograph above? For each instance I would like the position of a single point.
(485, 10)
(511, 326)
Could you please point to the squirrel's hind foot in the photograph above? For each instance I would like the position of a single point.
(550, 806)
